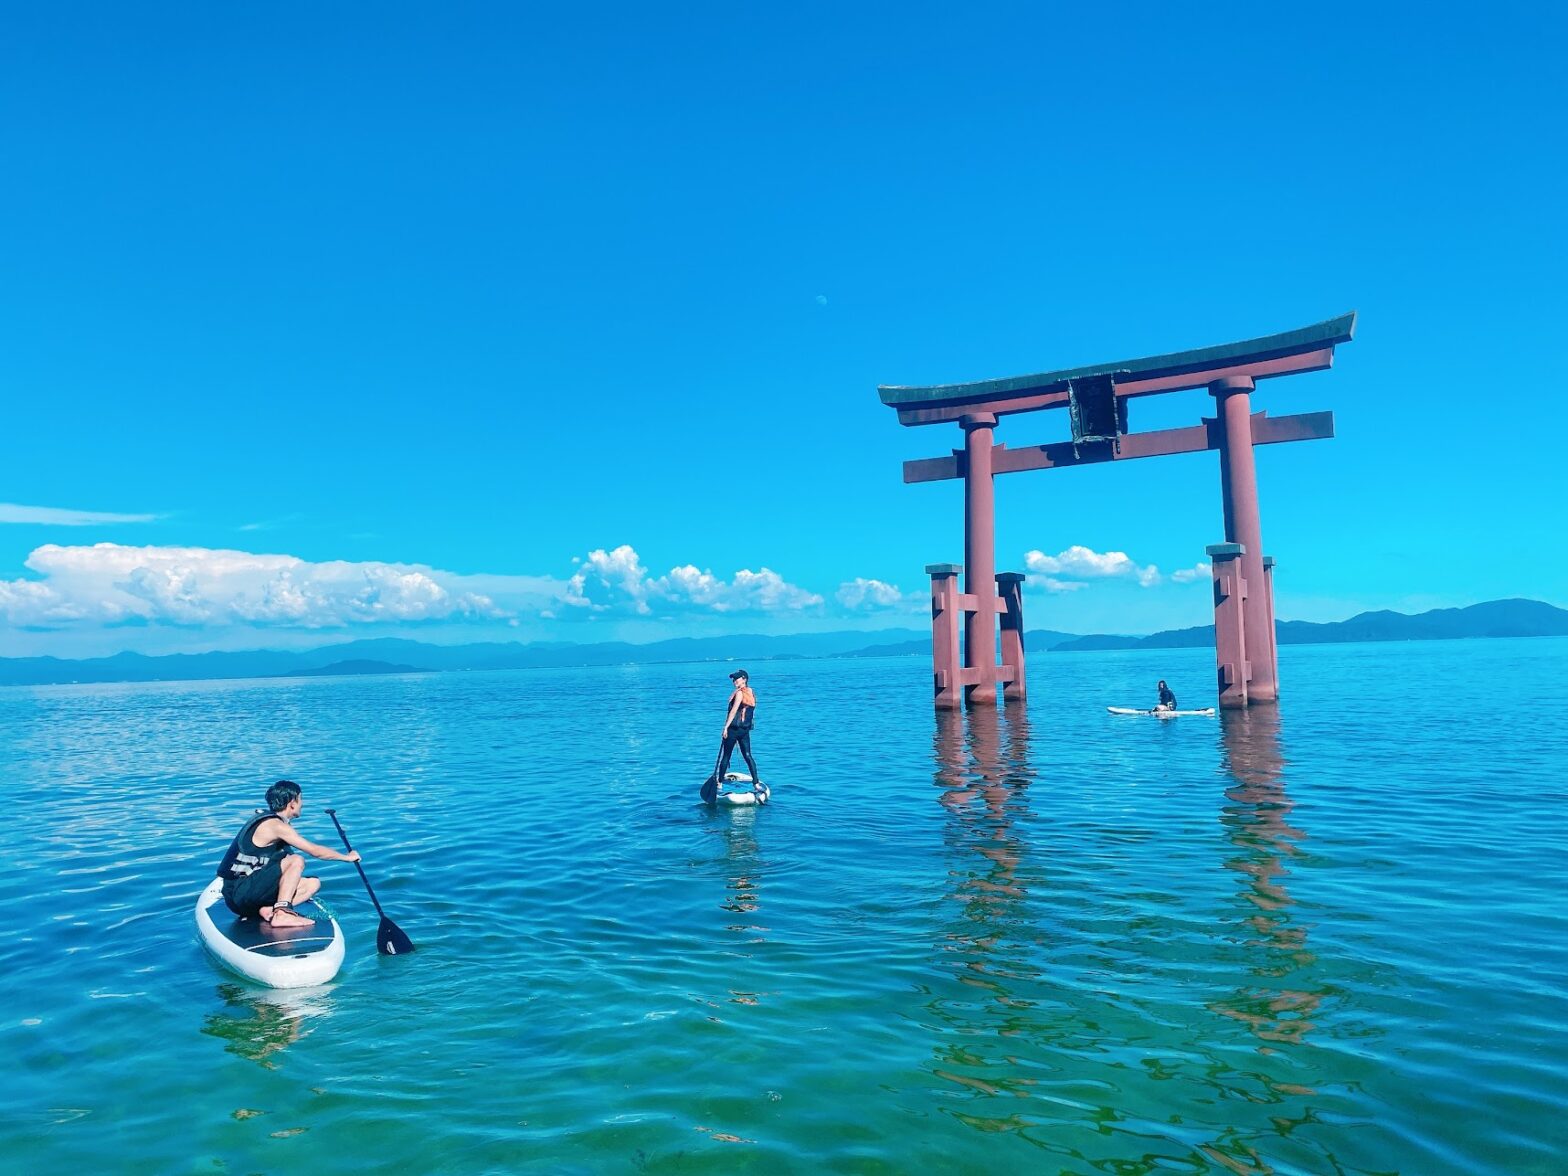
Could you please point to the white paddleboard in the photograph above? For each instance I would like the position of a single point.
(740, 799)
(285, 957)
(1159, 714)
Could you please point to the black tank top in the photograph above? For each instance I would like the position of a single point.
(245, 856)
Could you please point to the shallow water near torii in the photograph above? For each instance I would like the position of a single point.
(1327, 937)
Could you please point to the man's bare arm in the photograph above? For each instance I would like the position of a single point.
(285, 832)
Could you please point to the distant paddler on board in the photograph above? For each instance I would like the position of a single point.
(1165, 708)
(739, 720)
(1167, 698)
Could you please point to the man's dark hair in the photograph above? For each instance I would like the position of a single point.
(279, 795)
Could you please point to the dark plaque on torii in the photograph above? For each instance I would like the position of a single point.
(1096, 398)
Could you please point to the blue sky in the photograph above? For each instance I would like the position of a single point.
(368, 319)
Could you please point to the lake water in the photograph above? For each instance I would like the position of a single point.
(1327, 937)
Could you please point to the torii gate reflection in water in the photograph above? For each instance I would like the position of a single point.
(1097, 398)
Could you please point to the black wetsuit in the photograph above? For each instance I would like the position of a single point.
(1167, 699)
(251, 872)
(739, 736)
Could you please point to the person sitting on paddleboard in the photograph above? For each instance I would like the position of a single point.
(261, 875)
(737, 733)
(1167, 699)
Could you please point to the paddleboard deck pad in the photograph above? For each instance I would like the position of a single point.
(755, 793)
(283, 957)
(1159, 714)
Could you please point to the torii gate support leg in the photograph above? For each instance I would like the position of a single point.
(946, 663)
(1010, 589)
(1268, 600)
(1239, 488)
(1230, 638)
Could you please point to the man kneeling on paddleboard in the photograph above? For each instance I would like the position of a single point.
(262, 876)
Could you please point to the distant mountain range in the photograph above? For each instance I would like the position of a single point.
(393, 655)
(390, 655)
(1495, 618)
(1035, 641)
(360, 665)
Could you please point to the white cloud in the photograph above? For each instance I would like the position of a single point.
(1080, 563)
(1052, 584)
(617, 582)
(605, 578)
(109, 584)
(1199, 571)
(863, 595)
(55, 516)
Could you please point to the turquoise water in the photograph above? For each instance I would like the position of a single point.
(1324, 938)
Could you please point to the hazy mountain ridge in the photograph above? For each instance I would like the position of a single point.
(1496, 618)
(357, 666)
(1035, 641)
(137, 667)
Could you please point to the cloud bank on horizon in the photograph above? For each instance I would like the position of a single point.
(111, 585)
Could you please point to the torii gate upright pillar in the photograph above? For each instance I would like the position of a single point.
(1243, 525)
(980, 553)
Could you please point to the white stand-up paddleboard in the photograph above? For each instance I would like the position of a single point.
(1159, 714)
(755, 796)
(282, 957)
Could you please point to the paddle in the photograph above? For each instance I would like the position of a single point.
(390, 939)
(711, 786)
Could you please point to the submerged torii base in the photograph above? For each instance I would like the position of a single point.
(967, 671)
(1097, 398)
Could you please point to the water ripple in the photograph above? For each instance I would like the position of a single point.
(1323, 937)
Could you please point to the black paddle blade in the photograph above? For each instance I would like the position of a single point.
(390, 939)
(710, 790)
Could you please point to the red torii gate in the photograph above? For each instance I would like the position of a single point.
(1096, 398)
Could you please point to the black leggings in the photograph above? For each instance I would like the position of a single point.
(741, 739)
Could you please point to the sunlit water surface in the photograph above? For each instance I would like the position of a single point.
(1329, 937)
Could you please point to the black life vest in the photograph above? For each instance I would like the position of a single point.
(245, 857)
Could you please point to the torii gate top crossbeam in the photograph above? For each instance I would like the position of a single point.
(1303, 350)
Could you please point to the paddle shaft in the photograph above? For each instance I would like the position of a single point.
(333, 813)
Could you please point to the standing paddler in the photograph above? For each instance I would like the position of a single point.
(738, 721)
(262, 876)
